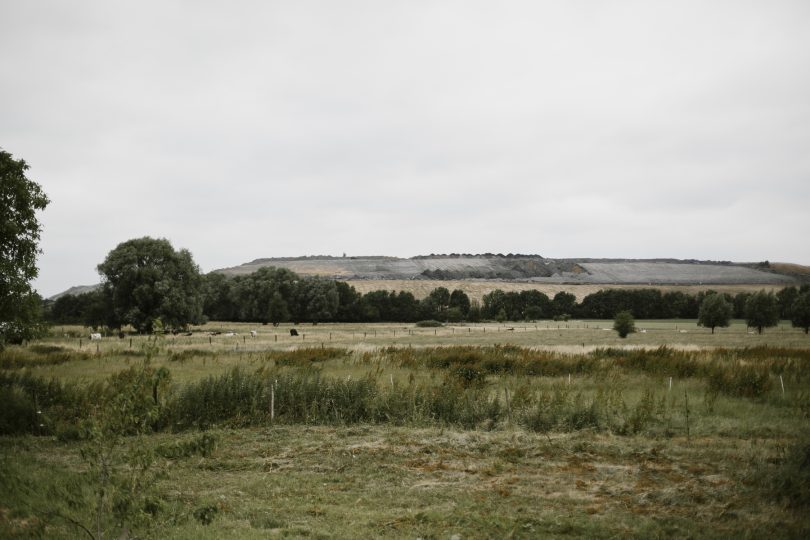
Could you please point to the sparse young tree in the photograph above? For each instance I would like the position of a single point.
(624, 324)
(800, 312)
(715, 310)
(20, 199)
(762, 311)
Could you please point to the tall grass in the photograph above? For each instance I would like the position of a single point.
(38, 355)
(466, 388)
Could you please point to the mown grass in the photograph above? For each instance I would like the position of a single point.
(383, 481)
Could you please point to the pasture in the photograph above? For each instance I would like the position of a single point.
(387, 430)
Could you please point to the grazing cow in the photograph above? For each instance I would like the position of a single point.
(253, 333)
(293, 332)
(189, 334)
(94, 337)
(121, 335)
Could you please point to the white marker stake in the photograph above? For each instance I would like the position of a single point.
(670, 384)
(783, 385)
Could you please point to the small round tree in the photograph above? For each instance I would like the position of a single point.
(761, 311)
(624, 323)
(715, 310)
(800, 312)
(146, 279)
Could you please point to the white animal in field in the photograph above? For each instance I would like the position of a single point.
(643, 331)
(94, 337)
(253, 333)
(230, 334)
(682, 331)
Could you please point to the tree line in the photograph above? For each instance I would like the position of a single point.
(147, 283)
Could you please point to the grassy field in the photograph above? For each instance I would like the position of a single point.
(388, 430)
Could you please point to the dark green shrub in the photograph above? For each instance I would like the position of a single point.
(624, 324)
(17, 411)
(430, 323)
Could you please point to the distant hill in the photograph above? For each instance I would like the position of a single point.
(534, 269)
(78, 289)
(530, 269)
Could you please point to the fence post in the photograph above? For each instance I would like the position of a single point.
(508, 407)
(272, 401)
(686, 407)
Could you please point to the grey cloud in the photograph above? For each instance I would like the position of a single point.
(628, 129)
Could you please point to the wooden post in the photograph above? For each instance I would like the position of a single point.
(130, 343)
(508, 407)
(686, 407)
(782, 382)
(670, 384)
(275, 336)
(80, 343)
(272, 401)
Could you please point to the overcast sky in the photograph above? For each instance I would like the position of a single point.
(242, 130)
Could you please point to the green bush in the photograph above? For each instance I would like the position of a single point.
(430, 323)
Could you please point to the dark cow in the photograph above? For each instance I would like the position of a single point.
(293, 332)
